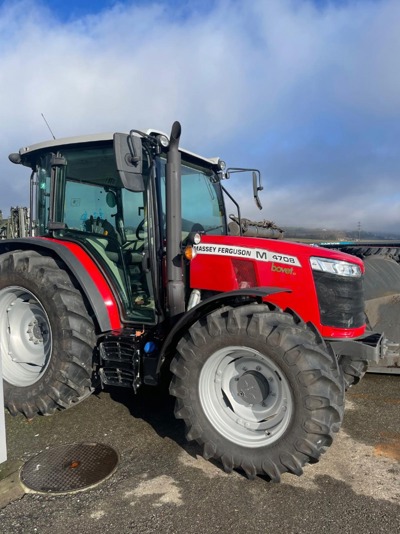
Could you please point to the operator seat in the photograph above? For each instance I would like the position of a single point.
(108, 238)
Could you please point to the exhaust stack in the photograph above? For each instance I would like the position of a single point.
(175, 285)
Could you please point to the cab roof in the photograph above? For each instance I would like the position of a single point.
(92, 138)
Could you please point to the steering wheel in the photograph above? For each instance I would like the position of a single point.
(197, 227)
(140, 229)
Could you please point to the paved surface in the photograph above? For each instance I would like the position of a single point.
(162, 485)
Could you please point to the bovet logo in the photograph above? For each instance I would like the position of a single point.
(285, 270)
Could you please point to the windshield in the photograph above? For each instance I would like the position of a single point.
(202, 204)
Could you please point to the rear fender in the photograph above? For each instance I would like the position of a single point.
(91, 282)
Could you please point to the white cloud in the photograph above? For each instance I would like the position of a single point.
(309, 95)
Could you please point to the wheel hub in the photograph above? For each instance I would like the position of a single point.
(36, 332)
(245, 395)
(252, 388)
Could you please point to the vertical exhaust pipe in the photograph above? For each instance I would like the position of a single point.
(175, 286)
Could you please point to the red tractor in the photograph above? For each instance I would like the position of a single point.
(131, 272)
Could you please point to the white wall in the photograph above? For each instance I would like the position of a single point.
(3, 446)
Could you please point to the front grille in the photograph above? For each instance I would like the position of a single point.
(341, 300)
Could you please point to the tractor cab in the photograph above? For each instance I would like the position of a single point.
(109, 194)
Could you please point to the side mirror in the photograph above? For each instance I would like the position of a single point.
(257, 187)
(15, 157)
(129, 160)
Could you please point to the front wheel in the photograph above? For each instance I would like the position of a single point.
(258, 389)
(353, 370)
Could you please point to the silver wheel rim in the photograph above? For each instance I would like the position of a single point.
(25, 337)
(245, 396)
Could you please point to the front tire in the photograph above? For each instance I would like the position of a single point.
(258, 389)
(46, 336)
(353, 370)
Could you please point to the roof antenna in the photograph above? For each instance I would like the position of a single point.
(47, 124)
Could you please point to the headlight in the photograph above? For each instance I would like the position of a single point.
(341, 268)
(163, 140)
(221, 165)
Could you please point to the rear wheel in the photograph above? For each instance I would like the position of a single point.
(258, 389)
(46, 336)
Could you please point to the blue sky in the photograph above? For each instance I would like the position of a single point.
(308, 91)
(71, 9)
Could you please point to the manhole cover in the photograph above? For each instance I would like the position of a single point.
(69, 468)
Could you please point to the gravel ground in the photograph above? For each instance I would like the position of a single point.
(163, 485)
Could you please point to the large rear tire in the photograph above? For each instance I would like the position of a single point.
(258, 389)
(47, 337)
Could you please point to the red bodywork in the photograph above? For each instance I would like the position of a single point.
(225, 263)
(98, 278)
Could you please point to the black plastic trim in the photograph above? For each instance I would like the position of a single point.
(340, 299)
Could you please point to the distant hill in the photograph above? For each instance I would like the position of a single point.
(327, 234)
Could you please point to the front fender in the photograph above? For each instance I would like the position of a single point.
(185, 321)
